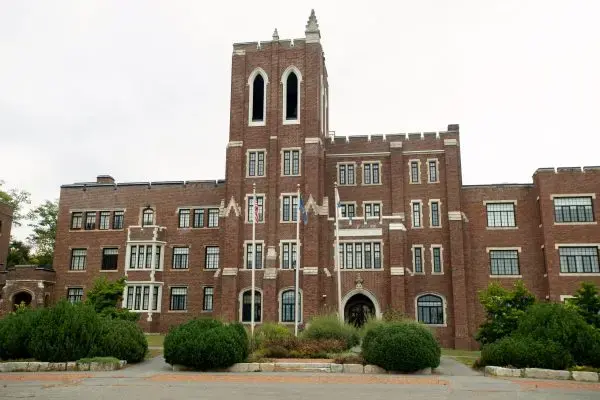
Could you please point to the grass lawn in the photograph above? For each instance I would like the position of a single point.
(466, 357)
(155, 340)
(153, 353)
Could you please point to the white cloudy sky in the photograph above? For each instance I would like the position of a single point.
(140, 89)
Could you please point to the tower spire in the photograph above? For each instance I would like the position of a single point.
(313, 35)
(275, 35)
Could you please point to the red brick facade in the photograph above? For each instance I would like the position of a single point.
(421, 168)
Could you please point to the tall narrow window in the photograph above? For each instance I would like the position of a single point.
(104, 220)
(148, 217)
(418, 260)
(415, 174)
(416, 214)
(433, 171)
(211, 257)
(90, 220)
(78, 257)
(260, 201)
(291, 97)
(199, 218)
(110, 258)
(291, 162)
(213, 217)
(430, 310)
(346, 174)
(436, 255)
(289, 208)
(178, 299)
(256, 163)
(208, 298)
(180, 257)
(288, 306)
(258, 259)
(184, 218)
(435, 213)
(258, 99)
(247, 306)
(76, 220)
(288, 255)
(118, 220)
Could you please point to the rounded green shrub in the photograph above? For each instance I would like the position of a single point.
(121, 339)
(65, 332)
(525, 352)
(205, 344)
(330, 327)
(243, 335)
(401, 346)
(15, 333)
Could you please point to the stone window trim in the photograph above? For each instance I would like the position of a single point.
(441, 247)
(337, 176)
(517, 249)
(293, 196)
(423, 266)
(592, 196)
(439, 201)
(241, 303)
(501, 228)
(145, 283)
(347, 203)
(437, 170)
(564, 297)
(245, 253)
(444, 306)
(247, 217)
(412, 222)
(557, 246)
(284, 76)
(376, 202)
(193, 210)
(256, 176)
(145, 213)
(291, 149)
(280, 304)
(298, 249)
(82, 214)
(410, 164)
(250, 83)
(149, 242)
(380, 172)
(187, 300)
(363, 241)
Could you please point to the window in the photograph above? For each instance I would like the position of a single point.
(148, 217)
(371, 173)
(75, 295)
(260, 202)
(247, 306)
(500, 215)
(573, 209)
(76, 220)
(432, 166)
(258, 99)
(416, 214)
(138, 297)
(291, 97)
(104, 220)
(435, 213)
(178, 299)
(90, 220)
(180, 257)
(211, 257)
(78, 257)
(256, 163)
(579, 260)
(199, 218)
(118, 217)
(436, 256)
(359, 255)
(372, 210)
(418, 259)
(258, 259)
(213, 217)
(110, 258)
(504, 262)
(289, 207)
(209, 293)
(184, 218)
(348, 210)
(288, 306)
(430, 309)
(291, 162)
(288, 255)
(415, 173)
(140, 257)
(346, 174)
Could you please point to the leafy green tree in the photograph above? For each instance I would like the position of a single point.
(18, 253)
(105, 297)
(17, 199)
(44, 231)
(587, 302)
(503, 310)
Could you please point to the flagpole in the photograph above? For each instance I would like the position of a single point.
(254, 204)
(298, 252)
(337, 253)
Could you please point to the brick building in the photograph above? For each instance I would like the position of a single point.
(412, 237)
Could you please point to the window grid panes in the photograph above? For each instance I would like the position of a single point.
(104, 220)
(75, 295)
(573, 209)
(371, 173)
(90, 220)
(288, 255)
(414, 171)
(212, 257)
(184, 218)
(76, 220)
(258, 255)
(416, 214)
(247, 306)
(433, 172)
(579, 260)
(178, 299)
(372, 210)
(504, 262)
(288, 306)
(348, 210)
(501, 215)
(110, 257)
(137, 298)
(78, 257)
(148, 217)
(435, 213)
(140, 256)
(260, 200)
(213, 217)
(118, 219)
(418, 259)
(346, 174)
(360, 255)
(437, 260)
(256, 163)
(199, 218)
(180, 257)
(207, 305)
(289, 208)
(291, 162)
(430, 310)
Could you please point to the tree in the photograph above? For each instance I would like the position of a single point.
(503, 310)
(44, 231)
(105, 297)
(17, 199)
(18, 253)
(587, 303)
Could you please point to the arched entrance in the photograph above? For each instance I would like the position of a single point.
(21, 297)
(359, 308)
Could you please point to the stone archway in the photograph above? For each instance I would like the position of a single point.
(21, 297)
(358, 309)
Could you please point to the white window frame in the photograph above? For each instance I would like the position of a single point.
(412, 222)
(256, 166)
(337, 176)
(564, 297)
(570, 195)
(362, 175)
(241, 303)
(291, 149)
(292, 196)
(150, 297)
(437, 170)
(247, 216)
(437, 246)
(280, 304)
(344, 205)
(423, 266)
(257, 71)
(284, 77)
(249, 242)
(444, 307)
(161, 266)
(142, 210)
(410, 161)
(364, 208)
(431, 213)
(363, 242)
(298, 249)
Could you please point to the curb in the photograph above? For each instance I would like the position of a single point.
(540, 373)
(39, 366)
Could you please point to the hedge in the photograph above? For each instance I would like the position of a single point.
(526, 352)
(401, 346)
(15, 333)
(330, 327)
(122, 339)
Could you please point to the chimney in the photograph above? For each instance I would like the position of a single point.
(453, 128)
(105, 179)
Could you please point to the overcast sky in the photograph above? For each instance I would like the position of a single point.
(140, 89)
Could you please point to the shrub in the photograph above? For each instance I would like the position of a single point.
(587, 303)
(402, 347)
(525, 352)
(65, 332)
(15, 333)
(311, 348)
(204, 344)
(564, 326)
(272, 334)
(243, 336)
(123, 340)
(330, 327)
